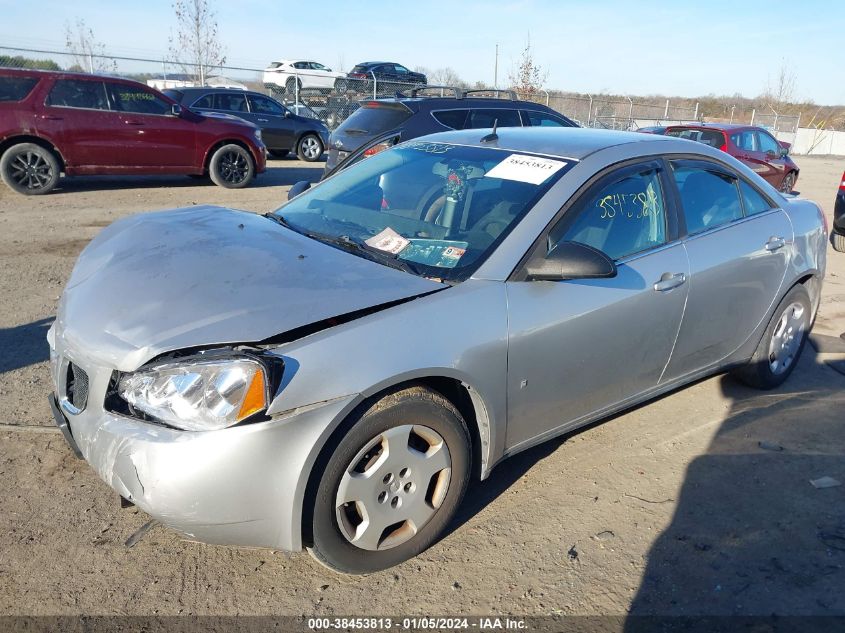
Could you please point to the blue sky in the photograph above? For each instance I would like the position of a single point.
(645, 47)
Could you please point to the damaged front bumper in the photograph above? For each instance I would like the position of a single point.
(243, 485)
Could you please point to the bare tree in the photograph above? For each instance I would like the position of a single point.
(528, 77)
(86, 50)
(782, 90)
(196, 45)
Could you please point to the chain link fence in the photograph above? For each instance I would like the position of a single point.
(332, 97)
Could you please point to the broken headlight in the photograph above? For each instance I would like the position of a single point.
(197, 394)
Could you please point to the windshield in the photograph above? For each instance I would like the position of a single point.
(433, 209)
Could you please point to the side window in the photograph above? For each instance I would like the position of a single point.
(745, 140)
(621, 217)
(16, 88)
(230, 102)
(400, 70)
(76, 93)
(300, 65)
(752, 201)
(710, 198)
(263, 105)
(535, 118)
(134, 99)
(485, 117)
(767, 143)
(204, 103)
(454, 119)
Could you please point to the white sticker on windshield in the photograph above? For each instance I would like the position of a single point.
(389, 241)
(524, 168)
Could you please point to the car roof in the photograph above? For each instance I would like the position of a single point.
(63, 74)
(712, 126)
(577, 143)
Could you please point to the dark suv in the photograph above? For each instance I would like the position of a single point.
(79, 124)
(380, 123)
(281, 129)
(384, 73)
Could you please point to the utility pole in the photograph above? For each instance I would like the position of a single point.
(496, 68)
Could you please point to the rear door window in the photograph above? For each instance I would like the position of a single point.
(713, 138)
(486, 117)
(230, 102)
(752, 200)
(16, 88)
(746, 140)
(454, 119)
(78, 93)
(709, 196)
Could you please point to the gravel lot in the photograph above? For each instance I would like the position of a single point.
(672, 508)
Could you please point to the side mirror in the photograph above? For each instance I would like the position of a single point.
(784, 152)
(287, 114)
(176, 109)
(298, 188)
(571, 260)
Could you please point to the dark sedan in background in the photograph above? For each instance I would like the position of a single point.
(751, 145)
(282, 130)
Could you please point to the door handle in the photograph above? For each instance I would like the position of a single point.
(775, 243)
(50, 117)
(134, 122)
(263, 120)
(669, 281)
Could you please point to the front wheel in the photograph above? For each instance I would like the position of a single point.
(341, 85)
(781, 345)
(231, 166)
(392, 483)
(29, 169)
(788, 183)
(310, 148)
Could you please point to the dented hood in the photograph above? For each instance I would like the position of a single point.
(158, 282)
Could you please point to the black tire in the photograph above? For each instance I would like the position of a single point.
(292, 85)
(424, 409)
(837, 240)
(278, 153)
(341, 85)
(30, 169)
(762, 371)
(788, 183)
(310, 148)
(231, 166)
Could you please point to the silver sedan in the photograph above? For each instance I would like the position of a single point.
(333, 374)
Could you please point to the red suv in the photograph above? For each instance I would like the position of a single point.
(53, 122)
(754, 146)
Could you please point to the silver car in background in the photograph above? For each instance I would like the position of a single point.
(332, 375)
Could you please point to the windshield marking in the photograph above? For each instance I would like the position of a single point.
(524, 168)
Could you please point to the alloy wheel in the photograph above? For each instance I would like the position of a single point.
(233, 167)
(311, 148)
(30, 170)
(393, 487)
(786, 338)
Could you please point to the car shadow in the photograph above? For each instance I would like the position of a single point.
(275, 176)
(751, 535)
(24, 345)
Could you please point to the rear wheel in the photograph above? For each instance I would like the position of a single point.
(781, 345)
(788, 182)
(293, 84)
(310, 148)
(392, 484)
(30, 169)
(231, 167)
(838, 242)
(341, 85)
